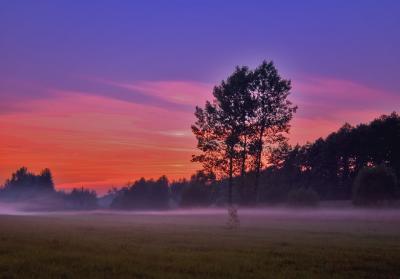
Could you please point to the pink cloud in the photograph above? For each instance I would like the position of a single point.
(181, 92)
(90, 140)
(93, 140)
(336, 93)
(325, 104)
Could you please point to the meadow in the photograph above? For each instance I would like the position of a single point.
(270, 243)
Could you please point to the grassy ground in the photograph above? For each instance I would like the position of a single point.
(278, 244)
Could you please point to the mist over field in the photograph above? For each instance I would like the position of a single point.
(197, 243)
(257, 208)
(199, 139)
(327, 211)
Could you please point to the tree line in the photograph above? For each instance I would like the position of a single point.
(246, 159)
(38, 192)
(358, 163)
(330, 166)
(345, 165)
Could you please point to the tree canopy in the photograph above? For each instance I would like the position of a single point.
(248, 116)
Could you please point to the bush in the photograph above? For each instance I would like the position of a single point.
(143, 194)
(274, 194)
(81, 199)
(375, 185)
(195, 195)
(303, 197)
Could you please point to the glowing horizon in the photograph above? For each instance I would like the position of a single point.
(99, 142)
(109, 100)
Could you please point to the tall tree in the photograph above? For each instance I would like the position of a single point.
(250, 113)
(272, 114)
(221, 124)
(45, 180)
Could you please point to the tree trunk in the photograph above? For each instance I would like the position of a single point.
(258, 163)
(230, 180)
(243, 171)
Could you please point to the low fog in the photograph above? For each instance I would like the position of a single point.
(327, 212)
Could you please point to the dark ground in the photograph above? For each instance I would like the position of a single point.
(274, 243)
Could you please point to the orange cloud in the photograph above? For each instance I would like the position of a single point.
(99, 141)
(92, 141)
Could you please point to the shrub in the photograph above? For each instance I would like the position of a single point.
(274, 194)
(195, 195)
(303, 197)
(143, 194)
(81, 199)
(374, 185)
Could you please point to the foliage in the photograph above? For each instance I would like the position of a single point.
(273, 112)
(143, 194)
(249, 111)
(303, 197)
(330, 165)
(198, 191)
(26, 185)
(375, 185)
(82, 199)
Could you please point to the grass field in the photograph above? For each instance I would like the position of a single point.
(196, 244)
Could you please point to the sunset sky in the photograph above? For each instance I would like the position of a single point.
(103, 92)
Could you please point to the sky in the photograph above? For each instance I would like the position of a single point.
(103, 92)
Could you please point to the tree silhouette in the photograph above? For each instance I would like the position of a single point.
(375, 185)
(24, 184)
(45, 180)
(143, 194)
(249, 114)
(329, 166)
(82, 199)
(221, 124)
(199, 191)
(273, 112)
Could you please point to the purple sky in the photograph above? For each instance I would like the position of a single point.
(342, 56)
